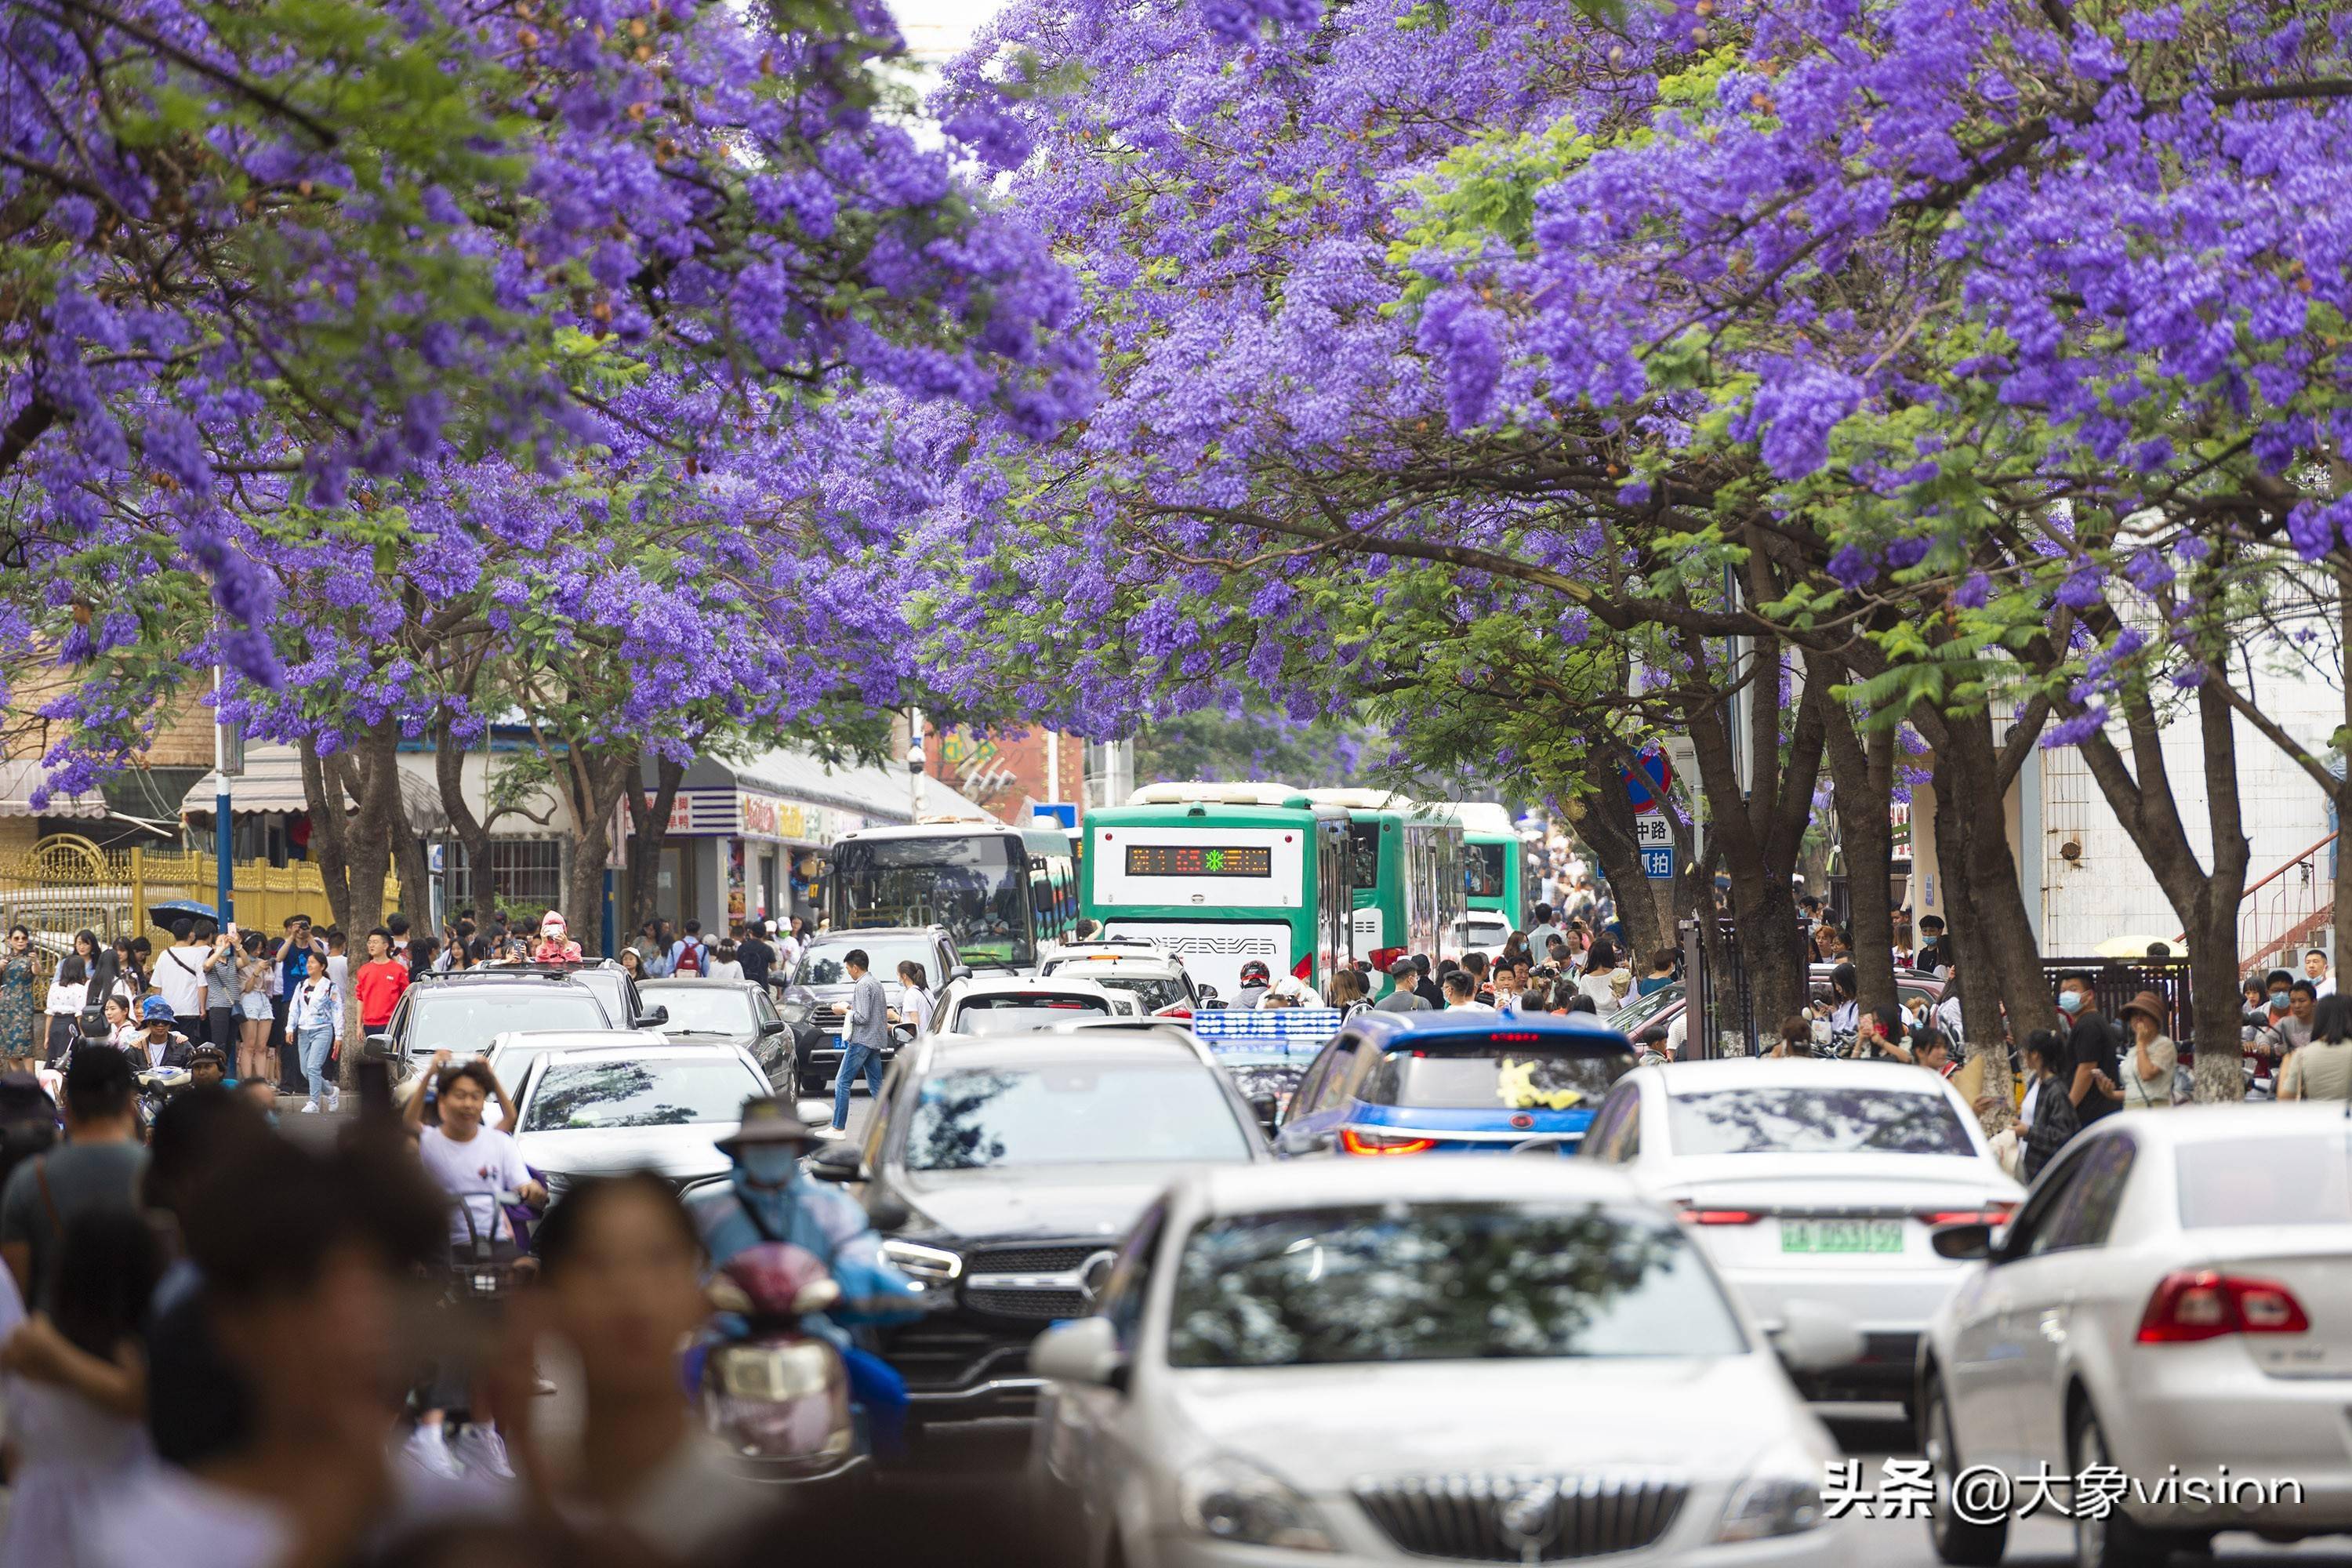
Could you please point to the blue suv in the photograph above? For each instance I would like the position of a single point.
(1467, 1083)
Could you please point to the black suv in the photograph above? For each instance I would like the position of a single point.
(1007, 1169)
(816, 992)
(463, 1012)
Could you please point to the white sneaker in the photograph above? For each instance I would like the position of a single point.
(481, 1449)
(832, 1132)
(309, 1108)
(334, 1100)
(428, 1447)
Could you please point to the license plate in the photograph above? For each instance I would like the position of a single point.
(1841, 1236)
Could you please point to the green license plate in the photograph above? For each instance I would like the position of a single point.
(1841, 1236)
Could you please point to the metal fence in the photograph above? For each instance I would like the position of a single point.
(65, 884)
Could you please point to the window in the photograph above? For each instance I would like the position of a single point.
(1483, 869)
(1449, 1075)
(1364, 854)
(666, 1092)
(525, 874)
(1433, 1282)
(1077, 1113)
(1798, 1120)
(822, 963)
(2086, 1212)
(977, 886)
(1333, 1091)
(1130, 1281)
(1615, 1134)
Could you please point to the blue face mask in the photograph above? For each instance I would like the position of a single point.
(769, 1164)
(2280, 999)
(2070, 1002)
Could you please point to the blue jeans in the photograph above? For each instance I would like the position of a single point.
(855, 1059)
(318, 1042)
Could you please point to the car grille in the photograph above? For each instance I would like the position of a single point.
(828, 1017)
(945, 1354)
(1520, 1518)
(1032, 1259)
(1033, 1306)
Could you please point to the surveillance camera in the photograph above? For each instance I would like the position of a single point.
(915, 757)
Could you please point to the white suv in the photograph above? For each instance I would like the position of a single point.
(1160, 985)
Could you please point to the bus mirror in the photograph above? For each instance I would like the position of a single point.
(1209, 997)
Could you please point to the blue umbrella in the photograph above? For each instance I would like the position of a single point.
(161, 913)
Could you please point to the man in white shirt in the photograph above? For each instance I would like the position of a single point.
(180, 977)
(1462, 994)
(2315, 969)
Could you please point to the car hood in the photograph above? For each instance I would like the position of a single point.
(712, 1038)
(1073, 1199)
(1323, 1428)
(818, 993)
(679, 1152)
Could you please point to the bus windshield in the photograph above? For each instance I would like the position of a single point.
(1483, 869)
(977, 886)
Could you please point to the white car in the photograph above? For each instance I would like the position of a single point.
(2175, 1301)
(511, 1053)
(613, 1109)
(1371, 1360)
(1808, 1179)
(1479, 931)
(1013, 1003)
(1162, 985)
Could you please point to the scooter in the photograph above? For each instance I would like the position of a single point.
(776, 1395)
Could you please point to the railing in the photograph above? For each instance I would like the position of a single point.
(2284, 910)
(65, 884)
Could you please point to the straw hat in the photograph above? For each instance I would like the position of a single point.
(2146, 1001)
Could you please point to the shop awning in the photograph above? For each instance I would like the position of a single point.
(272, 781)
(870, 790)
(20, 776)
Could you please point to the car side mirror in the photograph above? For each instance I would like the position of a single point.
(1814, 1336)
(884, 1212)
(1268, 1111)
(1209, 997)
(960, 971)
(841, 1162)
(1963, 1243)
(1083, 1350)
(774, 1026)
(379, 1047)
(653, 1018)
(1301, 1140)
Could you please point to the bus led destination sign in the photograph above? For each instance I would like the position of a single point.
(1200, 860)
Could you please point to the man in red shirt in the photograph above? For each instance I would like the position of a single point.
(379, 983)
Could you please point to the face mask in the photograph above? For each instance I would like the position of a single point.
(2281, 998)
(2071, 1002)
(769, 1164)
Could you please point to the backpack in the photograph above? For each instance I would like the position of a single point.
(689, 959)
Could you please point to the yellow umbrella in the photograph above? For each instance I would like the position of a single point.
(2137, 946)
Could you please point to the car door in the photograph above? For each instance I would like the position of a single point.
(1983, 1373)
(1317, 1128)
(771, 1042)
(1613, 1137)
(2057, 1273)
(1096, 1446)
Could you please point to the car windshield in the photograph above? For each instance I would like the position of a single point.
(1095, 1112)
(822, 966)
(1025, 1013)
(704, 1009)
(607, 984)
(1482, 869)
(1815, 1119)
(464, 1020)
(2301, 1179)
(977, 886)
(1485, 1075)
(1630, 1018)
(1441, 1282)
(1481, 931)
(573, 1097)
(1153, 991)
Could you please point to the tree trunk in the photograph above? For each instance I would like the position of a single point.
(327, 824)
(472, 833)
(1862, 791)
(1970, 776)
(1978, 977)
(1609, 827)
(650, 835)
(597, 778)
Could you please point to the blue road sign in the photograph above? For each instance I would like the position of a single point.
(1658, 864)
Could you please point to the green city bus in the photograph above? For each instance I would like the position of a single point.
(1493, 859)
(1222, 874)
(1406, 878)
(1001, 891)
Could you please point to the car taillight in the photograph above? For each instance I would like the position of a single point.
(1178, 1011)
(1303, 968)
(1385, 957)
(1691, 1215)
(1355, 1142)
(1991, 1214)
(2205, 1304)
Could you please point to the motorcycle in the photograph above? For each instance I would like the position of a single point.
(776, 1395)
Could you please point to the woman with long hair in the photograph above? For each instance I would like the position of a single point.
(914, 1009)
(69, 989)
(254, 973)
(2322, 1069)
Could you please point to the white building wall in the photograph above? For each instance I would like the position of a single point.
(2108, 890)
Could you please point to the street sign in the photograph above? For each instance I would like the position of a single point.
(1653, 831)
(1648, 779)
(1658, 865)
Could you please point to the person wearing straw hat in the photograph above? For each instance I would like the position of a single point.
(2148, 1066)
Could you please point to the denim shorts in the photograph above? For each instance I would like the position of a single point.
(253, 1004)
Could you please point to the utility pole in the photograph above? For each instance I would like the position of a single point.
(221, 879)
(914, 764)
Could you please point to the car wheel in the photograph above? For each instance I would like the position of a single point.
(1966, 1543)
(2115, 1540)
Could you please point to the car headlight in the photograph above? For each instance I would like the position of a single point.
(1774, 1502)
(794, 1012)
(925, 1265)
(1229, 1499)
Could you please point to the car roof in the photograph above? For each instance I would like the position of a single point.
(866, 933)
(643, 1045)
(1133, 962)
(1398, 1027)
(2193, 1123)
(1805, 1072)
(964, 1053)
(1171, 1029)
(551, 1039)
(697, 983)
(1295, 1184)
(1008, 984)
(499, 974)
